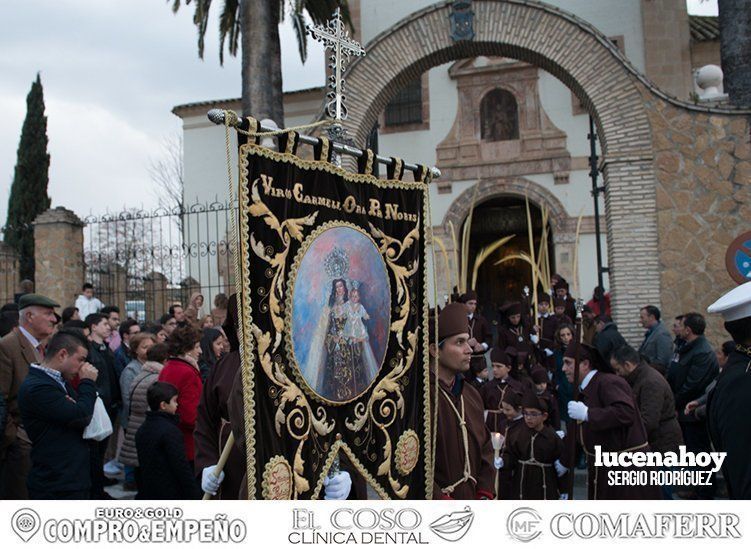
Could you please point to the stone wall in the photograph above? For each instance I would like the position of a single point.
(703, 177)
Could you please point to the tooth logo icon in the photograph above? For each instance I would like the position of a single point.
(25, 523)
(454, 526)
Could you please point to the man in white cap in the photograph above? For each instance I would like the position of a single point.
(729, 405)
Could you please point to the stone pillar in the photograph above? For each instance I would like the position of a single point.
(58, 253)
(155, 286)
(119, 287)
(633, 256)
(189, 286)
(8, 273)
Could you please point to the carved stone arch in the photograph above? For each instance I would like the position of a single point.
(517, 187)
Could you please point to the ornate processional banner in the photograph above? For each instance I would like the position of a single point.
(334, 317)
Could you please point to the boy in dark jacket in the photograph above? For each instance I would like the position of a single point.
(163, 471)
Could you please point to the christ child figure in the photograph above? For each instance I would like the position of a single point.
(354, 329)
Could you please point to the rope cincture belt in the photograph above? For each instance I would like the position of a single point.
(465, 440)
(532, 461)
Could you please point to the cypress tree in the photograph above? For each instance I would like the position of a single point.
(28, 194)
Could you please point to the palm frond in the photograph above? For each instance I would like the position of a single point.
(298, 23)
(229, 26)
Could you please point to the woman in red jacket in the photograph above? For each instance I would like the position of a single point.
(181, 370)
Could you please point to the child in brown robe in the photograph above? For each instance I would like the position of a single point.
(542, 389)
(492, 392)
(511, 405)
(534, 454)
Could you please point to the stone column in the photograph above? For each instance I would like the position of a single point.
(58, 254)
(8, 272)
(155, 286)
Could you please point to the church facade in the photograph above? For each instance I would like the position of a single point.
(498, 94)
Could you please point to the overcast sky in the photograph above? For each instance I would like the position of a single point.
(112, 71)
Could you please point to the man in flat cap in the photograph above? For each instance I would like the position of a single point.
(18, 349)
(729, 405)
(608, 417)
(464, 454)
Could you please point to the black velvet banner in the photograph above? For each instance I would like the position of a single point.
(334, 315)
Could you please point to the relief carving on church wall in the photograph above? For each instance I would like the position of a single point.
(501, 129)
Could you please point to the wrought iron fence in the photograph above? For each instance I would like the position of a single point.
(145, 261)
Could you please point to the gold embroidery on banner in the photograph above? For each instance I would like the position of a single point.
(387, 410)
(301, 417)
(392, 250)
(277, 479)
(407, 452)
(321, 165)
(287, 230)
(369, 162)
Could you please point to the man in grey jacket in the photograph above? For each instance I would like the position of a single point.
(657, 347)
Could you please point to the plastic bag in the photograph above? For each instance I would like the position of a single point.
(100, 426)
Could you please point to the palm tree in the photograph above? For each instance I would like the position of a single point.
(735, 49)
(253, 25)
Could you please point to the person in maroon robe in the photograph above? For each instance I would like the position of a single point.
(534, 454)
(480, 339)
(512, 409)
(607, 416)
(492, 392)
(547, 323)
(562, 292)
(213, 420)
(512, 332)
(463, 453)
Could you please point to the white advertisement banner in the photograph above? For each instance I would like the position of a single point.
(374, 523)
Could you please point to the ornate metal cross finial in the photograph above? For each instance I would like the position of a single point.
(335, 37)
(579, 305)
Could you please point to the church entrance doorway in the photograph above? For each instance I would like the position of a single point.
(500, 283)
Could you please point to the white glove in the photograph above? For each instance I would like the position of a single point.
(498, 463)
(564, 497)
(209, 482)
(548, 352)
(559, 468)
(534, 338)
(338, 486)
(560, 434)
(577, 410)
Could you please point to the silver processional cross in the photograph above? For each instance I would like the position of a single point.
(334, 37)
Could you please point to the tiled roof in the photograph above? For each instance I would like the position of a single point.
(215, 102)
(704, 29)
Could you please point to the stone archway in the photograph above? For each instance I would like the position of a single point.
(590, 65)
